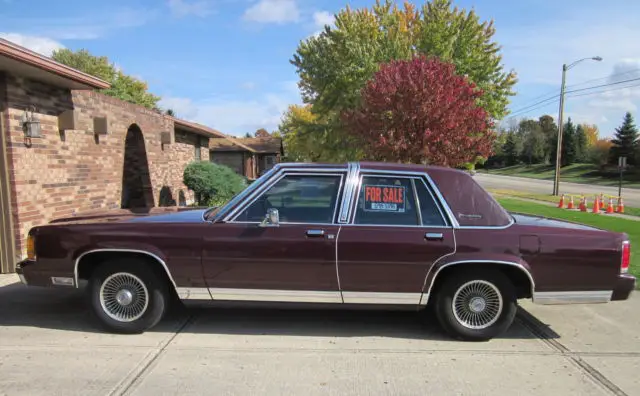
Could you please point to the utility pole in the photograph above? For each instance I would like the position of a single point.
(565, 67)
(556, 178)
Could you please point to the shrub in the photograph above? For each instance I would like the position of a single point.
(212, 184)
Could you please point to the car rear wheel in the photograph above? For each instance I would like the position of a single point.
(476, 305)
(127, 296)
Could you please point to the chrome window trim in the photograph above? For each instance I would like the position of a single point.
(353, 168)
(431, 186)
(426, 293)
(158, 259)
(572, 297)
(254, 197)
(417, 200)
(288, 223)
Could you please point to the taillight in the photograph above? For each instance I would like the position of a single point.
(31, 247)
(626, 257)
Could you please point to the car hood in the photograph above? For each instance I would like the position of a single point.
(528, 220)
(188, 216)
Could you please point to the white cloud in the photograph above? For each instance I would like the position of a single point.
(273, 11)
(41, 45)
(322, 18)
(182, 8)
(235, 117)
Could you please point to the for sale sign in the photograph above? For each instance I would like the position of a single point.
(380, 198)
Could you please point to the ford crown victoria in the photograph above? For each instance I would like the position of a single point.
(381, 235)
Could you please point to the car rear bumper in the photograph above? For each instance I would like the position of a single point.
(32, 274)
(625, 284)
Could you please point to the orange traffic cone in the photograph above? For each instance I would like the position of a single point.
(601, 201)
(610, 206)
(620, 205)
(570, 205)
(582, 205)
(561, 203)
(585, 204)
(596, 205)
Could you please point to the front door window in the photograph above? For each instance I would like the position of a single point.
(298, 199)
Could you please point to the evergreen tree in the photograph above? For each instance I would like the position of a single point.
(581, 144)
(568, 143)
(625, 141)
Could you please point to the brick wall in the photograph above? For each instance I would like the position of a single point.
(66, 173)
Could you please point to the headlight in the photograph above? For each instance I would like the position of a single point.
(31, 247)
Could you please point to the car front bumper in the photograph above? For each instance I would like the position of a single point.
(625, 284)
(32, 274)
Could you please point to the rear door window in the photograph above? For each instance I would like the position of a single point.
(386, 200)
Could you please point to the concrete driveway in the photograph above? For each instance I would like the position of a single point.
(631, 196)
(49, 345)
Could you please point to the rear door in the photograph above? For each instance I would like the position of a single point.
(397, 232)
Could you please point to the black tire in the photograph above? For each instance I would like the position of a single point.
(154, 286)
(453, 322)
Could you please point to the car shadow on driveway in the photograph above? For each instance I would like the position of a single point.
(68, 310)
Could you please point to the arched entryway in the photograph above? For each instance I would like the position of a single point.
(137, 192)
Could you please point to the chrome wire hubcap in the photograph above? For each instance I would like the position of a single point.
(124, 297)
(477, 304)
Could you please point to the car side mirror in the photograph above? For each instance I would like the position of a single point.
(271, 219)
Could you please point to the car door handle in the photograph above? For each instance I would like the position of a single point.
(315, 233)
(434, 236)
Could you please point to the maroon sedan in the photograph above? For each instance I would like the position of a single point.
(382, 235)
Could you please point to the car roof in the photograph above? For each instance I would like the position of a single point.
(372, 165)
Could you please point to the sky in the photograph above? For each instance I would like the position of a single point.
(225, 63)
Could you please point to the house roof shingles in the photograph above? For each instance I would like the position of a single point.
(257, 145)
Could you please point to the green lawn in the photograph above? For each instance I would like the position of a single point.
(631, 227)
(576, 173)
(553, 199)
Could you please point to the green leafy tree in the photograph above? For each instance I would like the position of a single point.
(511, 149)
(549, 129)
(334, 66)
(625, 141)
(213, 184)
(581, 143)
(533, 141)
(123, 86)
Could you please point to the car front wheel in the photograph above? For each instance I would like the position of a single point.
(476, 305)
(127, 296)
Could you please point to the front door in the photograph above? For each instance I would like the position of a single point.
(397, 233)
(294, 261)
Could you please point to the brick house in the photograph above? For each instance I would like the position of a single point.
(81, 151)
(249, 157)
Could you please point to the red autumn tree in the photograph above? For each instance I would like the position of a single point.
(420, 111)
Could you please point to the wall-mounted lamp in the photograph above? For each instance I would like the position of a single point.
(30, 124)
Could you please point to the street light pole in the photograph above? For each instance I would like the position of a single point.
(556, 179)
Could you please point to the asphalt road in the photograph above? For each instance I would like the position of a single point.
(631, 196)
(49, 345)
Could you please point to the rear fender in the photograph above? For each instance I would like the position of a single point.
(470, 259)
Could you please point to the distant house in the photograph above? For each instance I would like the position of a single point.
(249, 157)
